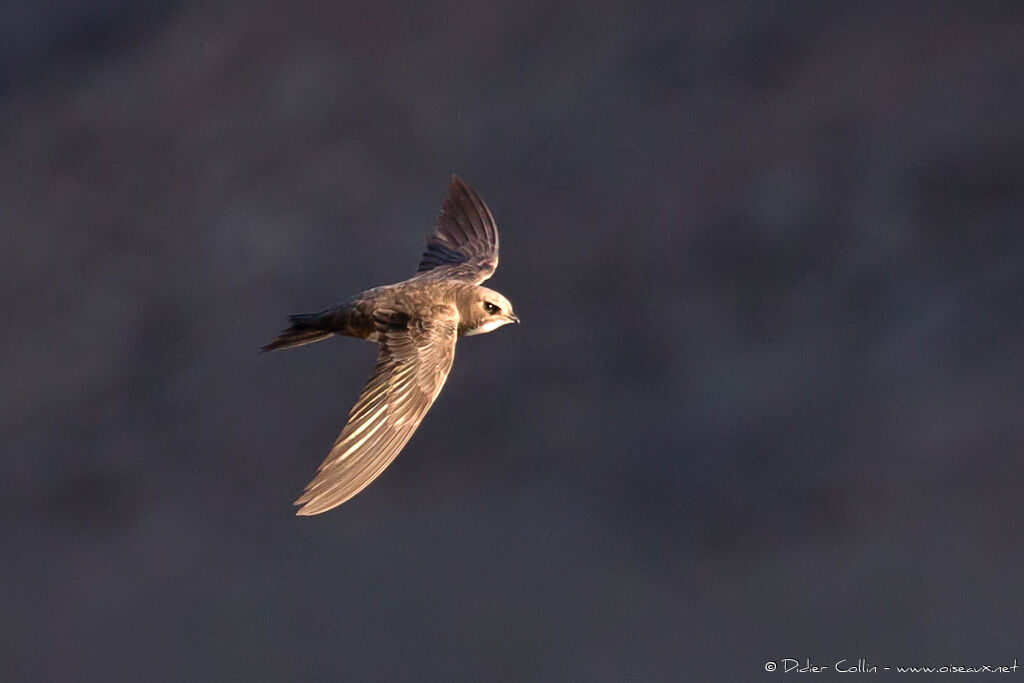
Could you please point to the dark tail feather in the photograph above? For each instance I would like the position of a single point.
(304, 330)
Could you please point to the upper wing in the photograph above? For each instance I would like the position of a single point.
(413, 364)
(465, 244)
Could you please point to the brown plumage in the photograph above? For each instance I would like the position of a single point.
(416, 323)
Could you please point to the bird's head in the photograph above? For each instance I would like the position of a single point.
(485, 310)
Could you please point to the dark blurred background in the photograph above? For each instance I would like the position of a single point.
(766, 401)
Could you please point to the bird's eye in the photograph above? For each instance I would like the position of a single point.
(491, 308)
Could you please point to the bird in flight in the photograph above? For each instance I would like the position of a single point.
(416, 323)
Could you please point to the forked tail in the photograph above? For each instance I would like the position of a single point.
(305, 329)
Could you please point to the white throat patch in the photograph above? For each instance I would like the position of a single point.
(487, 326)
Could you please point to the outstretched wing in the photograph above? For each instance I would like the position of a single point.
(412, 366)
(465, 244)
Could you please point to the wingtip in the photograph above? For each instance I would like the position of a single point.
(304, 509)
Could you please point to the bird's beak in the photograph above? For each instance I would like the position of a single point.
(514, 318)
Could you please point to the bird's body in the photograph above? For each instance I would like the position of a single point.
(416, 323)
(356, 316)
